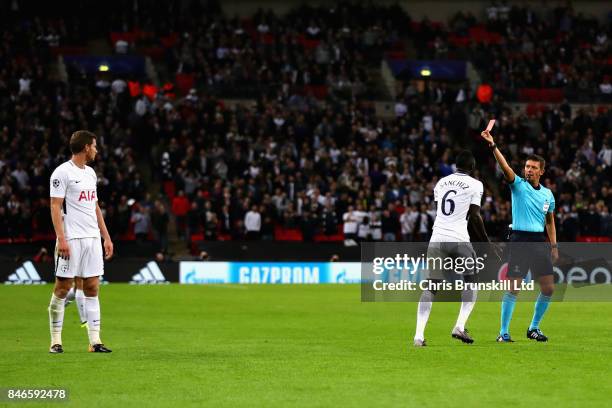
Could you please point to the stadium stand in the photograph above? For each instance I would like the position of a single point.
(304, 155)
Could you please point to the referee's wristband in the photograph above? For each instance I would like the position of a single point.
(553, 246)
(492, 146)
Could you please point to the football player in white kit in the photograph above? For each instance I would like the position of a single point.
(457, 197)
(79, 226)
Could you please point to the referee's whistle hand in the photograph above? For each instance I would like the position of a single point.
(554, 254)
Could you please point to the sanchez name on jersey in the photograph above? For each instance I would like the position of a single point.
(454, 195)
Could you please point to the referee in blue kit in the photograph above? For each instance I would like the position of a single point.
(532, 217)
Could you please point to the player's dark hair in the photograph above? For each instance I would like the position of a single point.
(80, 139)
(465, 161)
(538, 158)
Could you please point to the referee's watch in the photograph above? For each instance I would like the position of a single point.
(554, 246)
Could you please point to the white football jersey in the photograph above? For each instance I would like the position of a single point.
(455, 194)
(78, 189)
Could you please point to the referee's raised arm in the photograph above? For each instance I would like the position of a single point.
(508, 172)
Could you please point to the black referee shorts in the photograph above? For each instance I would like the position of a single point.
(529, 251)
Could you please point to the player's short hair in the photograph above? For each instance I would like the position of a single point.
(80, 139)
(465, 160)
(538, 158)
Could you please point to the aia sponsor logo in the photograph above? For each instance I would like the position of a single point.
(87, 195)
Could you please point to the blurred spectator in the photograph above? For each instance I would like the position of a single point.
(569, 226)
(159, 221)
(160, 257)
(6, 230)
(267, 229)
(252, 223)
(330, 220)
(194, 220)
(180, 207)
(408, 223)
(211, 227)
(605, 154)
(424, 224)
(226, 220)
(390, 225)
(351, 223)
(141, 221)
(363, 231)
(121, 47)
(375, 227)
(43, 256)
(309, 226)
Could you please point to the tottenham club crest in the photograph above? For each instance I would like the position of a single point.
(56, 183)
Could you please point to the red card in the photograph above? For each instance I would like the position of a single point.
(490, 125)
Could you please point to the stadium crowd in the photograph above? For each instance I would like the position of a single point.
(515, 46)
(289, 161)
(318, 168)
(313, 47)
(38, 113)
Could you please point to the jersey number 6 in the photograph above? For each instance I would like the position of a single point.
(448, 200)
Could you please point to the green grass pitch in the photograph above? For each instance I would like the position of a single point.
(310, 345)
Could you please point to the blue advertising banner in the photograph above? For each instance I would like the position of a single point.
(121, 65)
(269, 272)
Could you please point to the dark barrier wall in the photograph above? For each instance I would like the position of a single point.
(130, 249)
(218, 251)
(137, 271)
(279, 251)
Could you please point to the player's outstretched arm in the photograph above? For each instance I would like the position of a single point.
(108, 244)
(508, 172)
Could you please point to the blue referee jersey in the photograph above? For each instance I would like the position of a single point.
(530, 205)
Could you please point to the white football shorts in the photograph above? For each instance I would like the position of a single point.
(86, 259)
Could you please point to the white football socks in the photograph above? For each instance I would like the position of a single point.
(56, 319)
(92, 309)
(80, 301)
(423, 312)
(468, 300)
(70, 296)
